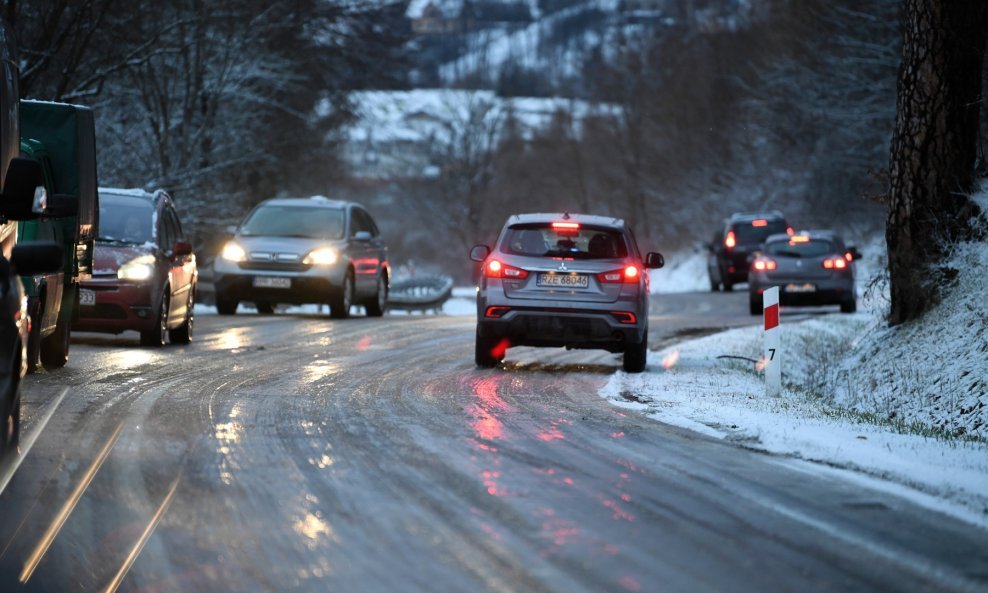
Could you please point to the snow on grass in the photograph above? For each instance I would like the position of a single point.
(907, 405)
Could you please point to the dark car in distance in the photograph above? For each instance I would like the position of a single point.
(144, 271)
(811, 268)
(742, 234)
(301, 251)
(563, 280)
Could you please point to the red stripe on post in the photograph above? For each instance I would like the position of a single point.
(771, 316)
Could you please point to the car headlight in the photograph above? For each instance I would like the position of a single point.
(233, 252)
(324, 256)
(139, 268)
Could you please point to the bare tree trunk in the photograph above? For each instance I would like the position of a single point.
(934, 146)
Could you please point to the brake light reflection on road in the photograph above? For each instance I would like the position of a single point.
(670, 359)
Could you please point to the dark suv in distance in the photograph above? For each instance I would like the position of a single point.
(304, 250)
(732, 248)
(810, 268)
(563, 280)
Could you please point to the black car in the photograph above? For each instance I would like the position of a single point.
(732, 247)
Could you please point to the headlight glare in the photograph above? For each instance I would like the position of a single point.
(324, 256)
(139, 268)
(233, 252)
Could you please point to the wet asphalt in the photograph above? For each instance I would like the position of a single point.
(299, 453)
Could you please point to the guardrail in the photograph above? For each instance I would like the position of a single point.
(420, 293)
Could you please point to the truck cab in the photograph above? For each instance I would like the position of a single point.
(61, 139)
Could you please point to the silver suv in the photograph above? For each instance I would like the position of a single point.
(304, 250)
(560, 279)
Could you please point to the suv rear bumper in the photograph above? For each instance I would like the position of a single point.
(563, 328)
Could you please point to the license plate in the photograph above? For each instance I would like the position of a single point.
(564, 280)
(800, 288)
(87, 297)
(272, 282)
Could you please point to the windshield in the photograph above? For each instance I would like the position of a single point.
(814, 248)
(749, 234)
(125, 219)
(580, 243)
(295, 221)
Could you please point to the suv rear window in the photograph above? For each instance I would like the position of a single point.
(812, 248)
(578, 243)
(747, 233)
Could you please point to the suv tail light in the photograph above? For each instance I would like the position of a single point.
(835, 263)
(763, 264)
(730, 240)
(628, 274)
(496, 269)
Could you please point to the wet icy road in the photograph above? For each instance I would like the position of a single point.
(299, 453)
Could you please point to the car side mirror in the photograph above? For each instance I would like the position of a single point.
(654, 261)
(37, 257)
(479, 252)
(24, 177)
(182, 249)
(231, 228)
(362, 236)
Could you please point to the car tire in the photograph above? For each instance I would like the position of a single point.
(264, 308)
(226, 307)
(378, 304)
(34, 337)
(339, 306)
(728, 286)
(636, 355)
(155, 337)
(714, 285)
(755, 304)
(849, 306)
(55, 348)
(483, 353)
(183, 333)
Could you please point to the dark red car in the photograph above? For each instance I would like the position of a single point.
(144, 271)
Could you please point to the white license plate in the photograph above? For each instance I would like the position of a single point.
(272, 282)
(87, 297)
(563, 280)
(800, 288)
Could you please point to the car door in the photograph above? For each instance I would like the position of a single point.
(365, 254)
(181, 267)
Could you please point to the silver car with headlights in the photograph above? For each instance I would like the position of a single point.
(304, 250)
(563, 280)
(811, 268)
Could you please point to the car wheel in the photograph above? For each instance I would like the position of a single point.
(34, 337)
(728, 286)
(183, 334)
(265, 308)
(339, 307)
(755, 304)
(377, 305)
(849, 306)
(636, 355)
(55, 348)
(226, 307)
(155, 337)
(714, 285)
(484, 354)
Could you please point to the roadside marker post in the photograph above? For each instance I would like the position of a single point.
(773, 357)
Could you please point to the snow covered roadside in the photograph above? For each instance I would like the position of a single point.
(907, 405)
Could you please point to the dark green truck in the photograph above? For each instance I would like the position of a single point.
(62, 139)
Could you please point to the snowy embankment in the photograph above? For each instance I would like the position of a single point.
(907, 405)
